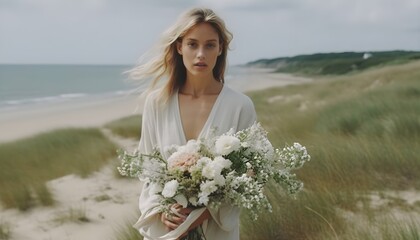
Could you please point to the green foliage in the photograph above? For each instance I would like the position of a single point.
(362, 132)
(27, 164)
(76, 215)
(5, 230)
(336, 63)
(128, 127)
(127, 232)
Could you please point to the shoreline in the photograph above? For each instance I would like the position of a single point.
(30, 120)
(120, 196)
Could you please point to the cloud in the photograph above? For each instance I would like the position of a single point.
(121, 30)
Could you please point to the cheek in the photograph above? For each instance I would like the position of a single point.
(188, 55)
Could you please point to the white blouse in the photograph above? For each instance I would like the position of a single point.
(161, 128)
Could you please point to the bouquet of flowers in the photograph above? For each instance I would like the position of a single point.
(232, 168)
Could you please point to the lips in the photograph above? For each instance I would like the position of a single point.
(200, 64)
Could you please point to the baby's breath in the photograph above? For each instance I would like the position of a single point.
(232, 168)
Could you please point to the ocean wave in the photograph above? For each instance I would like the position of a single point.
(55, 98)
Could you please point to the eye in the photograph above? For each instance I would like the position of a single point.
(211, 45)
(192, 44)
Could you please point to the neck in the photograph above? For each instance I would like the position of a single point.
(201, 85)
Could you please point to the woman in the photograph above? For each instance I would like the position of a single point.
(193, 102)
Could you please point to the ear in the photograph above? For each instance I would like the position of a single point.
(220, 50)
(179, 47)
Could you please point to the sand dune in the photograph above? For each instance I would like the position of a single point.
(103, 202)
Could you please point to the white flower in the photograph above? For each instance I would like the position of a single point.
(192, 146)
(204, 199)
(208, 171)
(170, 188)
(182, 200)
(222, 162)
(203, 162)
(227, 144)
(208, 187)
(298, 146)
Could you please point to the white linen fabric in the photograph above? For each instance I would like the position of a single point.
(161, 128)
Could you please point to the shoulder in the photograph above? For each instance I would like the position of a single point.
(240, 107)
(153, 95)
(238, 99)
(151, 100)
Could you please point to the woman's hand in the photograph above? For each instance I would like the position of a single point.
(173, 220)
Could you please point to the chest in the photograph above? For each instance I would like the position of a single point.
(194, 113)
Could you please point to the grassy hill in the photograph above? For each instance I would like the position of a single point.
(363, 133)
(335, 63)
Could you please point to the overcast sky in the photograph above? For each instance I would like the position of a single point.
(120, 31)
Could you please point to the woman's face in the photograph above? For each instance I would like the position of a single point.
(200, 48)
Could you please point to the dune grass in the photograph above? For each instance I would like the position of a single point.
(363, 132)
(72, 214)
(128, 127)
(27, 164)
(126, 231)
(5, 230)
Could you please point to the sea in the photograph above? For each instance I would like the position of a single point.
(30, 85)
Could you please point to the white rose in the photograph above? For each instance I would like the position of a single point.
(204, 199)
(208, 187)
(203, 162)
(227, 144)
(222, 162)
(208, 171)
(170, 188)
(192, 146)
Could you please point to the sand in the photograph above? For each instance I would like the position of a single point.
(108, 203)
(94, 112)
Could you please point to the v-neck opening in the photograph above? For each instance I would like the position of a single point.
(208, 120)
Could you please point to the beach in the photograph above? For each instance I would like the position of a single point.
(107, 203)
(96, 111)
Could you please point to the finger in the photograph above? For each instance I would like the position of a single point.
(176, 206)
(178, 212)
(185, 211)
(177, 220)
(171, 225)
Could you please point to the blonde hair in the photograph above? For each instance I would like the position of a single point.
(168, 62)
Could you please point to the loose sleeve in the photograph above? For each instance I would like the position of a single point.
(247, 115)
(149, 223)
(148, 136)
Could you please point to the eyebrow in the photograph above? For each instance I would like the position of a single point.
(192, 39)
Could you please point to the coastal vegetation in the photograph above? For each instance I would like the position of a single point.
(361, 127)
(128, 127)
(335, 63)
(27, 164)
(363, 132)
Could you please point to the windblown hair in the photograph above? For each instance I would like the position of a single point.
(167, 62)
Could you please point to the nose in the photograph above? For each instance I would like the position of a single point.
(201, 54)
